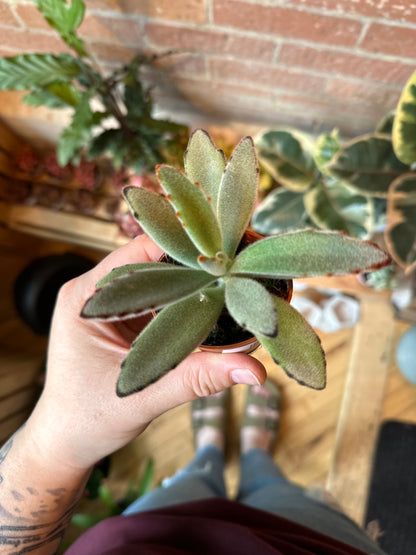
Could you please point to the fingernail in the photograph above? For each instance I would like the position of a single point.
(241, 375)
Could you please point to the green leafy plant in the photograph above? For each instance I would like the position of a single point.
(111, 115)
(111, 507)
(353, 186)
(200, 222)
(312, 193)
(401, 206)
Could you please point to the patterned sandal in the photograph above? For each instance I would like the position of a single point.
(262, 409)
(211, 411)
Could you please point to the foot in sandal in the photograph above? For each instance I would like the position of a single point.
(261, 417)
(209, 420)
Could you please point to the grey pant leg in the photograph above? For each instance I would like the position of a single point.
(202, 478)
(264, 486)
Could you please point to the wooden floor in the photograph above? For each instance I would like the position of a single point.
(307, 432)
(22, 352)
(311, 444)
(326, 438)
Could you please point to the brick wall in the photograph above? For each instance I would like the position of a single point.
(313, 63)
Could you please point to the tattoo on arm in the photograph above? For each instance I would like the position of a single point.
(4, 451)
(25, 534)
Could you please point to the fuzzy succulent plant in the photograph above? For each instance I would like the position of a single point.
(199, 222)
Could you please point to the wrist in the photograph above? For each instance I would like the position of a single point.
(48, 439)
(47, 459)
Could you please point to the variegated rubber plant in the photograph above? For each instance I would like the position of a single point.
(199, 222)
(362, 186)
(401, 205)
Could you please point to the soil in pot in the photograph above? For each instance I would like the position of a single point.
(227, 335)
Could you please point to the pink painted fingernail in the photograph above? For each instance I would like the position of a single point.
(242, 375)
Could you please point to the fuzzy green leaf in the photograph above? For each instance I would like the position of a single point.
(145, 290)
(237, 194)
(193, 210)
(27, 71)
(251, 306)
(281, 210)
(404, 125)
(175, 332)
(204, 164)
(368, 163)
(296, 348)
(157, 217)
(401, 222)
(338, 206)
(309, 253)
(217, 265)
(122, 271)
(56, 95)
(287, 155)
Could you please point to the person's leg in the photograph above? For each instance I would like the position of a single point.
(264, 486)
(203, 477)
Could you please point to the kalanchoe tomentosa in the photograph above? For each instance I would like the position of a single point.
(199, 222)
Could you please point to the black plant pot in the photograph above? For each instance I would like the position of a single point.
(36, 287)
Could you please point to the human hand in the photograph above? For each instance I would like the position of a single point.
(79, 419)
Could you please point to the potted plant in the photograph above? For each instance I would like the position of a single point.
(112, 113)
(200, 222)
(310, 195)
(363, 186)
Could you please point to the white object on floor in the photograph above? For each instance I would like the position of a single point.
(332, 314)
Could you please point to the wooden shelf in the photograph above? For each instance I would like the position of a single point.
(60, 226)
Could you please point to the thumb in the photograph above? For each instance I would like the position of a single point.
(203, 374)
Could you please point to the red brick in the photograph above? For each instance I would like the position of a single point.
(267, 75)
(220, 103)
(28, 41)
(213, 89)
(103, 5)
(287, 22)
(7, 17)
(259, 105)
(182, 64)
(4, 52)
(346, 64)
(363, 93)
(178, 10)
(333, 104)
(31, 17)
(211, 42)
(126, 31)
(111, 52)
(403, 10)
(389, 39)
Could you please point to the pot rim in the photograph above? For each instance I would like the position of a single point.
(246, 346)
